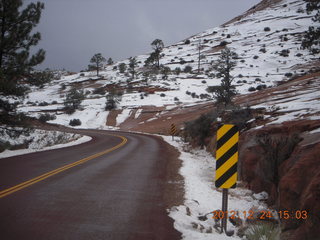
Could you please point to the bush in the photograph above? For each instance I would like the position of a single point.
(263, 231)
(187, 41)
(188, 93)
(285, 53)
(182, 61)
(255, 57)
(251, 89)
(75, 122)
(267, 29)
(204, 81)
(46, 117)
(54, 102)
(73, 100)
(288, 75)
(162, 95)
(263, 50)
(258, 79)
(260, 87)
(187, 69)
(223, 43)
(200, 129)
(40, 78)
(176, 99)
(43, 104)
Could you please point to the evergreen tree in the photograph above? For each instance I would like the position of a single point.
(97, 61)
(132, 65)
(311, 38)
(16, 39)
(122, 67)
(224, 65)
(73, 100)
(110, 61)
(157, 46)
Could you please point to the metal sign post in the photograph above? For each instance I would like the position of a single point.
(224, 210)
(226, 166)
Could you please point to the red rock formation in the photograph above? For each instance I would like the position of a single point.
(289, 170)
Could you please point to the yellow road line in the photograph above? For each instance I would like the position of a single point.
(30, 182)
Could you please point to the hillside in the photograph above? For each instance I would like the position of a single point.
(276, 79)
(267, 42)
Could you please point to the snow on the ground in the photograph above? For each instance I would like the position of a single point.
(201, 196)
(10, 153)
(123, 116)
(265, 57)
(37, 140)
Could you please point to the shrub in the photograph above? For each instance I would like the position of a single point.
(255, 57)
(176, 99)
(54, 102)
(288, 75)
(44, 103)
(188, 93)
(263, 50)
(39, 78)
(200, 129)
(251, 89)
(260, 87)
(284, 53)
(204, 81)
(75, 122)
(46, 117)
(187, 69)
(187, 41)
(162, 95)
(182, 61)
(267, 29)
(258, 79)
(81, 75)
(263, 231)
(73, 100)
(223, 43)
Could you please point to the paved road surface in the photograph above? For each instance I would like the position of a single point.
(118, 195)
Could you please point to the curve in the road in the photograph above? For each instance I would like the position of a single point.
(32, 181)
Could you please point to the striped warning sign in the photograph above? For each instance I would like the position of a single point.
(227, 156)
(173, 129)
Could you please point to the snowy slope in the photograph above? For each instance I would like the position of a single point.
(266, 41)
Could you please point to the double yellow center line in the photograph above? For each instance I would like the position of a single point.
(30, 182)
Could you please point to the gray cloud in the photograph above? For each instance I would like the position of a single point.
(73, 30)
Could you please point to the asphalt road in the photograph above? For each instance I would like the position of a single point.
(109, 188)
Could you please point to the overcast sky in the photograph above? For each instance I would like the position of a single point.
(73, 30)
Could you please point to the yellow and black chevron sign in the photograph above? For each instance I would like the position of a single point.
(227, 156)
(173, 129)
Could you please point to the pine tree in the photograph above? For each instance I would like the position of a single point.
(110, 61)
(16, 39)
(311, 38)
(97, 61)
(224, 65)
(132, 65)
(157, 46)
(122, 67)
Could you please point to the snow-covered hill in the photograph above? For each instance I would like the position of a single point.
(266, 40)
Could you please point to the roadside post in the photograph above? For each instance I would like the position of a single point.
(226, 166)
(173, 130)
